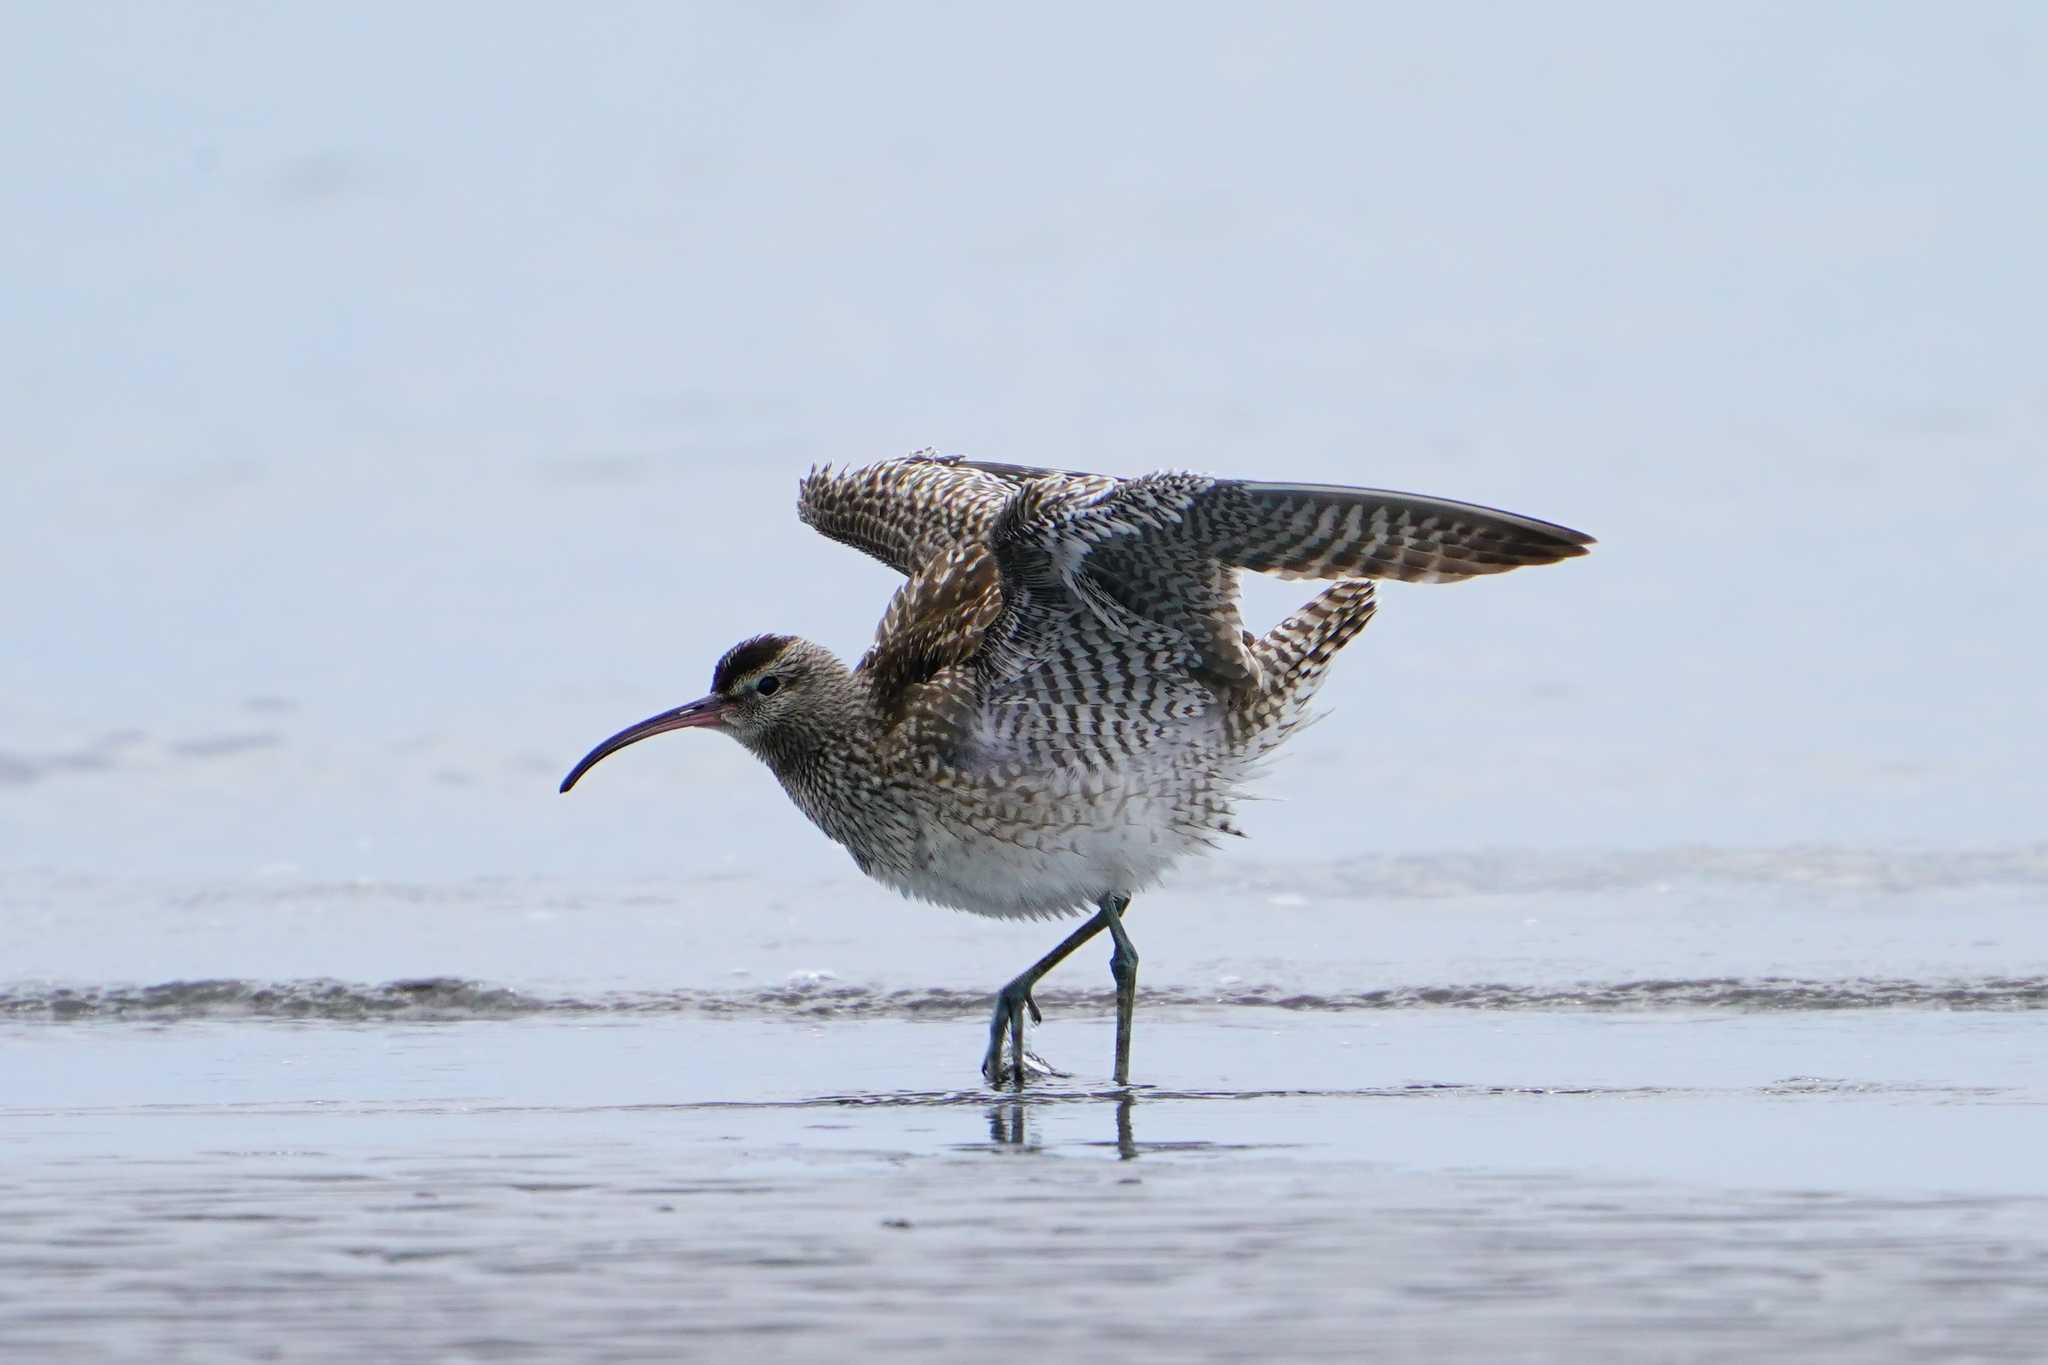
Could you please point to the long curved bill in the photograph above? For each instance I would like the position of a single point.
(703, 711)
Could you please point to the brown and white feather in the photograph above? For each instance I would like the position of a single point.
(1062, 700)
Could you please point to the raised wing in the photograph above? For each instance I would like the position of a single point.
(1075, 612)
(936, 622)
(905, 512)
(1155, 558)
(1306, 530)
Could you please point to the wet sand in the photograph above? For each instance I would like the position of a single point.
(1553, 1165)
(533, 1190)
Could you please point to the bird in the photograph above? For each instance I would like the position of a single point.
(1062, 701)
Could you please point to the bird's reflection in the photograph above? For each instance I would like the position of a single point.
(1006, 1126)
(1009, 1125)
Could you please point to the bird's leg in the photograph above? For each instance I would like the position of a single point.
(1126, 1144)
(1013, 999)
(1123, 966)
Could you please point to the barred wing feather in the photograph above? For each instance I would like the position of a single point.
(905, 512)
(1301, 530)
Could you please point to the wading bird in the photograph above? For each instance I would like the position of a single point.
(1061, 701)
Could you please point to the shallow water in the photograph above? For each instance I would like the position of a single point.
(675, 1141)
(529, 1190)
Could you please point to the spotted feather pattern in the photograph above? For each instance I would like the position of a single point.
(1062, 699)
(905, 512)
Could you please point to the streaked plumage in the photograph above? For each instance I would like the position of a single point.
(1061, 700)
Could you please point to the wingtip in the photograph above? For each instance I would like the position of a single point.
(1563, 540)
(1557, 549)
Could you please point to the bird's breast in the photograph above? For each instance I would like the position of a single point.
(1033, 849)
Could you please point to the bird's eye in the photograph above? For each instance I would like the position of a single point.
(767, 686)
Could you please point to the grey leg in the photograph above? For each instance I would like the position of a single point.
(1123, 965)
(1015, 998)
(1006, 1123)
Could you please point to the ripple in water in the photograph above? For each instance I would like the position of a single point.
(454, 998)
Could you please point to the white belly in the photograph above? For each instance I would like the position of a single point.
(1039, 873)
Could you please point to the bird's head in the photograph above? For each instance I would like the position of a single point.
(766, 692)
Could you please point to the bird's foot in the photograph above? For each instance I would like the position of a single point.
(1005, 1027)
(1036, 1068)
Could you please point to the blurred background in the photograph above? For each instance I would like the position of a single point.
(401, 398)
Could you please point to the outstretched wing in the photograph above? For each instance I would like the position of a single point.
(1068, 607)
(905, 512)
(1307, 530)
(1153, 560)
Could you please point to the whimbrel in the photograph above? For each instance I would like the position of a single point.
(1061, 701)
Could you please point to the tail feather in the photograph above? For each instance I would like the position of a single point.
(1293, 658)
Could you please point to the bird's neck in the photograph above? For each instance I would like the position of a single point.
(825, 756)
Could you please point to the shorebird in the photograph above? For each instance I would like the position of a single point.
(1061, 701)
